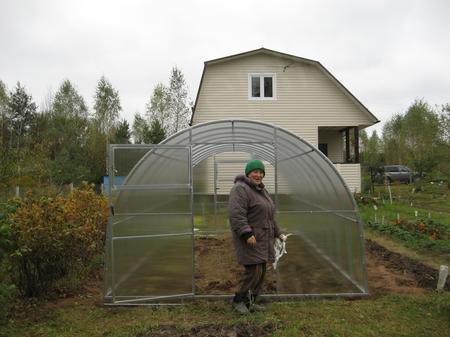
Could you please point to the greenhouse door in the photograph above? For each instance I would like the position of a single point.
(150, 237)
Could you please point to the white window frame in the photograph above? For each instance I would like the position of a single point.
(261, 86)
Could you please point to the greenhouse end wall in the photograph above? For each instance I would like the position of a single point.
(170, 217)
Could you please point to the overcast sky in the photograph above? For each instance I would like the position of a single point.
(386, 52)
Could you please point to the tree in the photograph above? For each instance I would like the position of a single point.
(67, 102)
(169, 105)
(22, 112)
(141, 130)
(122, 133)
(157, 133)
(179, 107)
(393, 143)
(372, 158)
(145, 133)
(414, 138)
(373, 152)
(420, 132)
(61, 129)
(94, 154)
(107, 106)
(158, 108)
(4, 125)
(444, 123)
(68, 119)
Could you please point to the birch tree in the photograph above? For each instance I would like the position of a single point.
(169, 105)
(107, 106)
(179, 106)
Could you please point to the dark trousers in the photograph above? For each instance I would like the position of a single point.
(250, 284)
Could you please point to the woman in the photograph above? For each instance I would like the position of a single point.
(254, 229)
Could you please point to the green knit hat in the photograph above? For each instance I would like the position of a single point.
(254, 165)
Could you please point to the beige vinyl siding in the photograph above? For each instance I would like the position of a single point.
(334, 139)
(306, 96)
(227, 171)
(352, 176)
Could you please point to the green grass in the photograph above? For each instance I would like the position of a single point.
(394, 315)
(431, 201)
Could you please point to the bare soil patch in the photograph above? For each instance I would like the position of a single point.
(391, 272)
(388, 272)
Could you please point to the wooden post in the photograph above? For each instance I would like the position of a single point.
(17, 192)
(347, 145)
(356, 133)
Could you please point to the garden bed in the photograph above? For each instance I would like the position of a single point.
(388, 272)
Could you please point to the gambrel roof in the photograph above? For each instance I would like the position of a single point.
(294, 59)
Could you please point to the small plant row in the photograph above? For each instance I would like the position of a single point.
(420, 234)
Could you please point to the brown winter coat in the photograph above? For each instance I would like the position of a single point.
(252, 211)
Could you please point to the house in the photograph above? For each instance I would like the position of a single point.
(292, 92)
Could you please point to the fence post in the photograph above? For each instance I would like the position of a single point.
(17, 192)
(390, 193)
(443, 273)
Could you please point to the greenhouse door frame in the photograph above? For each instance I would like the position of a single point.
(111, 239)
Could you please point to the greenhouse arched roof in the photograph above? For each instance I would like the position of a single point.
(307, 170)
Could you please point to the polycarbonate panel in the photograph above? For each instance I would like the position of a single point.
(210, 215)
(154, 224)
(334, 240)
(158, 266)
(152, 201)
(314, 182)
(125, 158)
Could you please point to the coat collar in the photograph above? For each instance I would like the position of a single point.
(243, 178)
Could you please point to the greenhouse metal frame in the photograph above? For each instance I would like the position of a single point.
(150, 240)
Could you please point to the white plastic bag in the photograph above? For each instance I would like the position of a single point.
(280, 248)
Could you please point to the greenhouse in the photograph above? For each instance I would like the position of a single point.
(168, 236)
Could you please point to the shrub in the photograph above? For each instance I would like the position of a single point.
(56, 238)
(6, 235)
(7, 296)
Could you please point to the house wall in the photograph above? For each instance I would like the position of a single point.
(335, 143)
(226, 172)
(352, 176)
(306, 97)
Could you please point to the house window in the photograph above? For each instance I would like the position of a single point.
(261, 86)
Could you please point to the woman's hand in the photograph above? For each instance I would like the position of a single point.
(251, 241)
